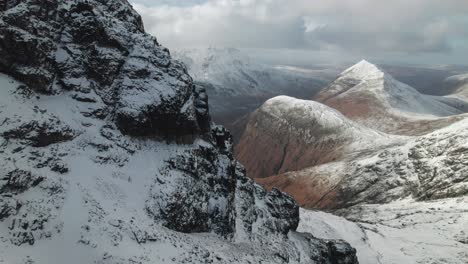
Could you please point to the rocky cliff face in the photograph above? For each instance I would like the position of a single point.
(86, 100)
(100, 54)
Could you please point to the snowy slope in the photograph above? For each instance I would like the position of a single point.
(459, 85)
(92, 201)
(406, 195)
(308, 114)
(287, 134)
(367, 94)
(234, 80)
(424, 168)
(234, 73)
(404, 231)
(407, 202)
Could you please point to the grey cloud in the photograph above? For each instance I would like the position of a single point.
(360, 26)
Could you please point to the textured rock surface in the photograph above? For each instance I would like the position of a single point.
(100, 47)
(85, 95)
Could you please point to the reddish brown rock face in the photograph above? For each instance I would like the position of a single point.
(368, 111)
(309, 189)
(269, 148)
(374, 99)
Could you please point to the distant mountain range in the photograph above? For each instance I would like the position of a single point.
(375, 151)
(237, 85)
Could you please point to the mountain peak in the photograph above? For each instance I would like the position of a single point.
(363, 70)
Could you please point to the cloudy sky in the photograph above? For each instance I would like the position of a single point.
(409, 31)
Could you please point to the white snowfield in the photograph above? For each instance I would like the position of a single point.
(403, 231)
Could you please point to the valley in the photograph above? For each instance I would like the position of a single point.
(393, 165)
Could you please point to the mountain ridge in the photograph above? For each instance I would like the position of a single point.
(290, 134)
(367, 94)
(108, 155)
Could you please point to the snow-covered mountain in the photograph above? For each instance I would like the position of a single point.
(233, 73)
(368, 95)
(401, 193)
(459, 85)
(238, 84)
(287, 134)
(427, 167)
(107, 153)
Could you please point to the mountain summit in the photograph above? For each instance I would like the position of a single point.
(363, 70)
(287, 134)
(372, 97)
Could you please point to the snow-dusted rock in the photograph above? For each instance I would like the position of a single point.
(85, 97)
(100, 47)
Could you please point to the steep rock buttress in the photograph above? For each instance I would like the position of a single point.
(87, 101)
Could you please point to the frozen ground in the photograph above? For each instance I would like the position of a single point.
(403, 231)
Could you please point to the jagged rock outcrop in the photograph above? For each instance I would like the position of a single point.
(86, 95)
(195, 192)
(39, 134)
(100, 47)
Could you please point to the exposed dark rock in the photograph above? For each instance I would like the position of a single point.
(59, 166)
(201, 107)
(23, 238)
(341, 252)
(222, 138)
(18, 181)
(8, 207)
(272, 218)
(84, 98)
(201, 200)
(53, 47)
(41, 133)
